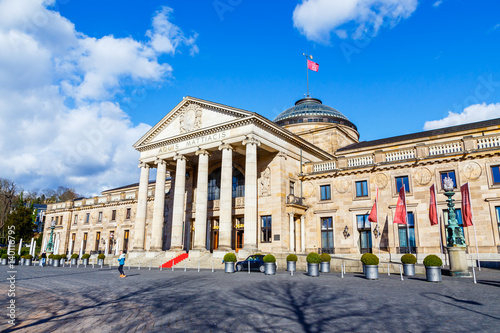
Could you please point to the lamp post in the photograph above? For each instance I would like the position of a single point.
(455, 240)
(50, 245)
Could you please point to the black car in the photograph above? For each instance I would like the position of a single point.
(256, 263)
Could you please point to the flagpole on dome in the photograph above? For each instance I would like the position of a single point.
(307, 69)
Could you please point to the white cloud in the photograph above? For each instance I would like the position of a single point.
(316, 19)
(471, 114)
(437, 3)
(59, 119)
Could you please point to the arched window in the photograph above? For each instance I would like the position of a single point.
(214, 184)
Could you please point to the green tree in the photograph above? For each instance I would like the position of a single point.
(21, 219)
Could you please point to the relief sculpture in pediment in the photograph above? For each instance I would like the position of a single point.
(190, 118)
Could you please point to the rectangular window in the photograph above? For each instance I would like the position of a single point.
(497, 209)
(113, 215)
(403, 236)
(87, 219)
(325, 192)
(400, 181)
(129, 210)
(125, 240)
(495, 173)
(57, 220)
(76, 220)
(99, 218)
(85, 235)
(266, 229)
(61, 221)
(362, 188)
(365, 233)
(292, 188)
(450, 174)
(326, 235)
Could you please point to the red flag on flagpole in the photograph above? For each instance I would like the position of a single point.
(400, 216)
(466, 208)
(433, 217)
(312, 65)
(373, 213)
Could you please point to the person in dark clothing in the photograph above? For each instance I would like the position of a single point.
(42, 259)
(121, 261)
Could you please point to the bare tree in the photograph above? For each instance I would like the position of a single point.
(8, 191)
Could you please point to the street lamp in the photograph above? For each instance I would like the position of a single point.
(50, 244)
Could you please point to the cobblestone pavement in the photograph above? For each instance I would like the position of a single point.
(95, 300)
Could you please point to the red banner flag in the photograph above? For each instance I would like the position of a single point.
(466, 208)
(312, 65)
(433, 216)
(400, 216)
(373, 214)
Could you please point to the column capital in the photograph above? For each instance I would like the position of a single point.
(159, 161)
(143, 165)
(250, 139)
(225, 146)
(282, 154)
(202, 152)
(179, 157)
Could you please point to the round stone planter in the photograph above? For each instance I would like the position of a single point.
(62, 261)
(50, 261)
(22, 261)
(312, 269)
(269, 268)
(56, 263)
(291, 266)
(5, 261)
(409, 269)
(433, 273)
(371, 272)
(325, 267)
(100, 262)
(27, 262)
(85, 262)
(229, 267)
(74, 261)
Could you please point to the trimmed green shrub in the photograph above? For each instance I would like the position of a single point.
(230, 257)
(25, 251)
(5, 256)
(325, 257)
(101, 256)
(369, 259)
(23, 257)
(64, 256)
(74, 256)
(86, 256)
(409, 259)
(17, 256)
(2, 252)
(56, 257)
(433, 260)
(313, 258)
(269, 258)
(28, 256)
(51, 256)
(292, 257)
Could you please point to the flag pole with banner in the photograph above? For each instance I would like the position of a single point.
(311, 65)
(467, 216)
(373, 217)
(401, 213)
(433, 216)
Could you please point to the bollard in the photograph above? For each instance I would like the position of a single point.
(70, 264)
(342, 270)
(173, 264)
(129, 265)
(185, 265)
(77, 265)
(212, 266)
(161, 267)
(401, 271)
(139, 268)
(248, 268)
(474, 274)
(388, 270)
(110, 265)
(198, 265)
(150, 264)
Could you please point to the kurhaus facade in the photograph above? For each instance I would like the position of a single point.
(231, 180)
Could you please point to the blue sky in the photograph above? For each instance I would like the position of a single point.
(392, 67)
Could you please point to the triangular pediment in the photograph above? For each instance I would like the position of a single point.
(188, 116)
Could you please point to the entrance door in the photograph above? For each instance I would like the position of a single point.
(125, 241)
(239, 240)
(214, 244)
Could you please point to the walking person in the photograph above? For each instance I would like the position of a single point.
(121, 261)
(42, 259)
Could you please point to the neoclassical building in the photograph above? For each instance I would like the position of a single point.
(231, 180)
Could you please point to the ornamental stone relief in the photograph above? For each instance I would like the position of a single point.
(342, 185)
(381, 180)
(472, 170)
(422, 176)
(265, 182)
(190, 118)
(308, 189)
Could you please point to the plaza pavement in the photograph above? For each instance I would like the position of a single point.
(95, 300)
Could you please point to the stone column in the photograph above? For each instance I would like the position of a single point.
(142, 207)
(250, 235)
(200, 224)
(159, 209)
(226, 198)
(178, 210)
(292, 228)
(303, 233)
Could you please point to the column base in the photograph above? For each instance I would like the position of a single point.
(155, 249)
(137, 249)
(197, 253)
(219, 253)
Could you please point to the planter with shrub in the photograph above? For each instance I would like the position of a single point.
(269, 264)
(56, 260)
(22, 260)
(63, 259)
(229, 260)
(85, 259)
(409, 261)
(325, 262)
(50, 260)
(17, 257)
(291, 262)
(433, 268)
(100, 259)
(28, 259)
(5, 259)
(74, 259)
(313, 261)
(370, 263)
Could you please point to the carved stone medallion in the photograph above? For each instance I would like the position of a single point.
(342, 185)
(381, 180)
(422, 176)
(308, 189)
(472, 170)
(190, 118)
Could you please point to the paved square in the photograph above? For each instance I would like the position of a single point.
(95, 300)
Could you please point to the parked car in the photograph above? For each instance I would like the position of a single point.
(256, 263)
